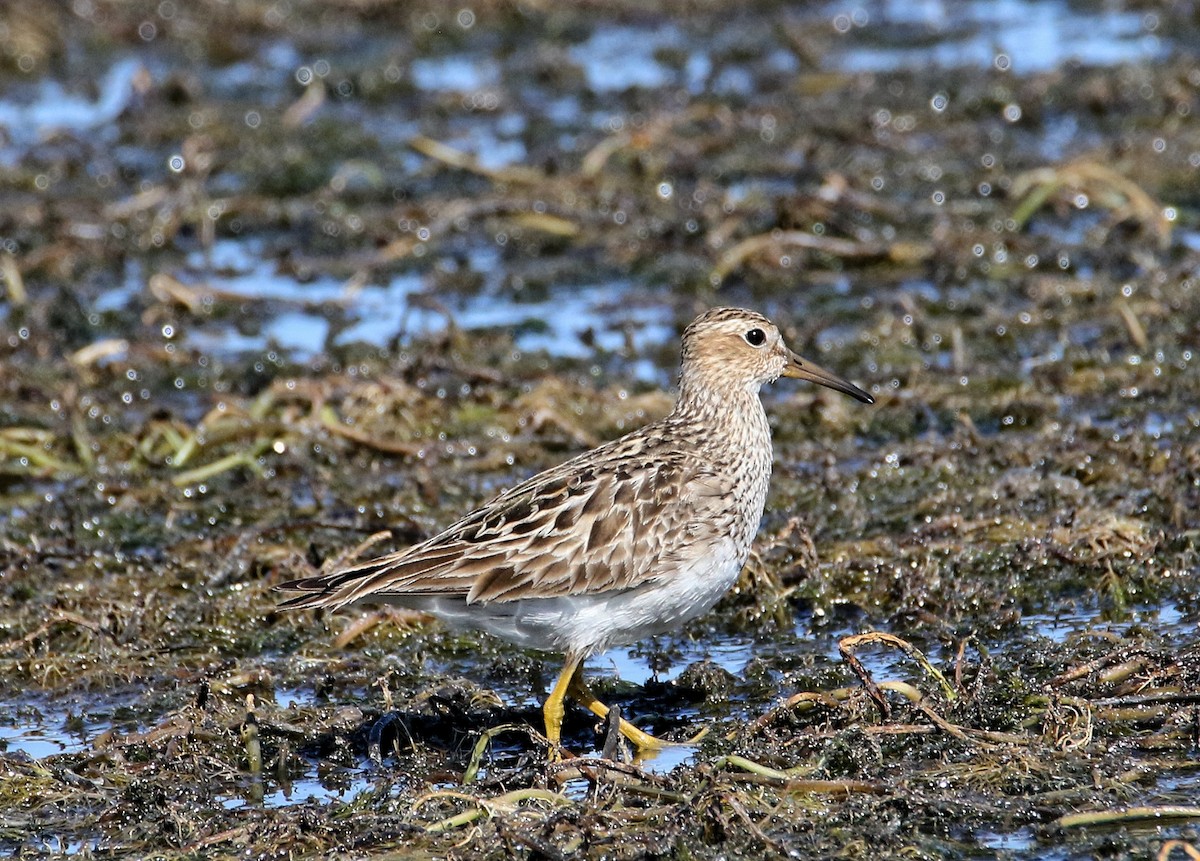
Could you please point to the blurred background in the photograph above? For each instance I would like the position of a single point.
(302, 178)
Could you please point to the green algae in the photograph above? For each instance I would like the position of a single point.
(1019, 506)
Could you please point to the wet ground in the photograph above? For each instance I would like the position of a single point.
(279, 277)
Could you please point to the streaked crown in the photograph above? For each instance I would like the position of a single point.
(733, 348)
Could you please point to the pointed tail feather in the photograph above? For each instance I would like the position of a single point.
(335, 590)
(387, 578)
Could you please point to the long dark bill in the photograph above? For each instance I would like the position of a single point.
(803, 369)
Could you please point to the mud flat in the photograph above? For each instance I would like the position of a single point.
(278, 278)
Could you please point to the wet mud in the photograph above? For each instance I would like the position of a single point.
(281, 282)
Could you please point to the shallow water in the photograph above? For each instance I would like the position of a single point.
(1033, 36)
(1023, 494)
(36, 734)
(1024, 36)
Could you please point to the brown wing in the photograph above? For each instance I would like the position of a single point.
(589, 525)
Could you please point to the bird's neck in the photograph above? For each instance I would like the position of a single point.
(729, 428)
(739, 409)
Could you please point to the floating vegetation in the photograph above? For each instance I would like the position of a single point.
(348, 271)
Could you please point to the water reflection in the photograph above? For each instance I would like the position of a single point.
(1024, 36)
(566, 321)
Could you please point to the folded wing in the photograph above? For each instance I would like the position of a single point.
(580, 528)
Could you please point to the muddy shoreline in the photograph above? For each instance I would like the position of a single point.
(276, 285)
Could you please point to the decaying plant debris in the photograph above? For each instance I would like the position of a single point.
(969, 626)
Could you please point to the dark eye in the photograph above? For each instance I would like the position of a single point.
(756, 337)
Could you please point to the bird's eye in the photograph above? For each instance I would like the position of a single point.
(756, 337)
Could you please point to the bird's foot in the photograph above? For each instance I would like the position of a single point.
(386, 732)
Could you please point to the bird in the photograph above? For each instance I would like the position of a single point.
(630, 539)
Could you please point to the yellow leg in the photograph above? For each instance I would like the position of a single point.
(553, 709)
(570, 683)
(579, 691)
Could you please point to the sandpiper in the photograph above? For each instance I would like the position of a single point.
(633, 538)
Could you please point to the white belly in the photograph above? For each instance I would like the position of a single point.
(587, 624)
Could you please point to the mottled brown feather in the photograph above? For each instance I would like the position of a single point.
(622, 516)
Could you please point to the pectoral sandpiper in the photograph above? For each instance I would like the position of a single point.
(630, 539)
